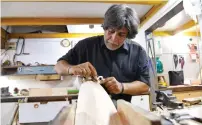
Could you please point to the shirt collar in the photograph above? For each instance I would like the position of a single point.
(124, 46)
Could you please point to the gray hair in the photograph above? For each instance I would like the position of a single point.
(119, 16)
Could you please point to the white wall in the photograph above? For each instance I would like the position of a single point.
(178, 45)
(46, 51)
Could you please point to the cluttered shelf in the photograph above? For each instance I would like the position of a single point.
(39, 98)
(37, 94)
(181, 88)
(27, 70)
(42, 73)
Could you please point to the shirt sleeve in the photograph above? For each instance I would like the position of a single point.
(143, 67)
(75, 55)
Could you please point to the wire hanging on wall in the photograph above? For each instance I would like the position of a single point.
(21, 49)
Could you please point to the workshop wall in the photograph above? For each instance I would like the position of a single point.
(178, 45)
(43, 51)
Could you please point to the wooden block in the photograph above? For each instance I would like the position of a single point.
(3, 33)
(196, 82)
(133, 115)
(3, 38)
(48, 77)
(187, 94)
(192, 101)
(47, 91)
(40, 92)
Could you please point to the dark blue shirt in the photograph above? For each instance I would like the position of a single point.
(127, 64)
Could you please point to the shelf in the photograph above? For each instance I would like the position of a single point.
(9, 67)
(182, 88)
(28, 70)
(9, 70)
(39, 98)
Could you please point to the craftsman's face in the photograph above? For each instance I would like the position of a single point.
(114, 38)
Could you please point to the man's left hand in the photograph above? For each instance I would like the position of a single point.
(112, 85)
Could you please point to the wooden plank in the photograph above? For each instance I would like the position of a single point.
(196, 81)
(16, 21)
(146, 2)
(54, 35)
(171, 33)
(182, 88)
(151, 13)
(162, 33)
(3, 33)
(48, 77)
(185, 26)
(133, 115)
(40, 98)
(192, 100)
(51, 98)
(178, 8)
(197, 34)
(3, 38)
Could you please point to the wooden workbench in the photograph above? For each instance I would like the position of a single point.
(184, 91)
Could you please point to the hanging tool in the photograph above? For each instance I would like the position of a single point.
(182, 62)
(21, 49)
(175, 59)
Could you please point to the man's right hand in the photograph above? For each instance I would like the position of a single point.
(84, 69)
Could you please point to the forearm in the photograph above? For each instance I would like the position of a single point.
(62, 67)
(135, 88)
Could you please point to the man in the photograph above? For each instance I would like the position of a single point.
(122, 62)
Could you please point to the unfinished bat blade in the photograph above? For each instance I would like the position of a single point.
(95, 107)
